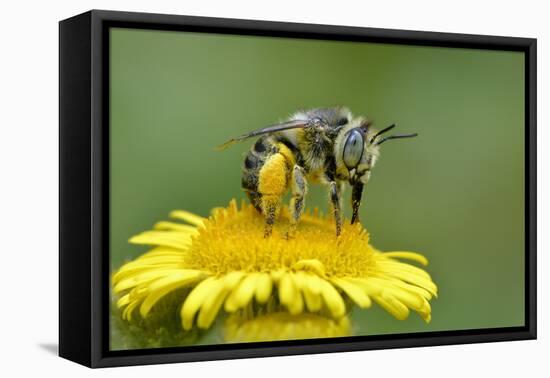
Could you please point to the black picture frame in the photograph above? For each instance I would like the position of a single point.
(84, 189)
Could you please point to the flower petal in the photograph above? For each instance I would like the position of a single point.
(395, 265)
(127, 313)
(411, 300)
(297, 305)
(210, 308)
(162, 251)
(264, 286)
(233, 278)
(130, 273)
(142, 278)
(212, 304)
(163, 286)
(123, 301)
(332, 298)
(312, 298)
(408, 256)
(287, 290)
(393, 306)
(426, 311)
(242, 294)
(314, 284)
(356, 293)
(412, 288)
(194, 301)
(369, 285)
(175, 239)
(313, 265)
(188, 217)
(290, 295)
(414, 279)
(171, 226)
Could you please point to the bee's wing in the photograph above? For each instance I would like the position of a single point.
(296, 124)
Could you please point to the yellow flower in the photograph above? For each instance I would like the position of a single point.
(283, 326)
(226, 263)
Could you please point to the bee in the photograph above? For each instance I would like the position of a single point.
(322, 145)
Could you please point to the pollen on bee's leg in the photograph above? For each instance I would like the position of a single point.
(273, 178)
(270, 208)
(268, 229)
(272, 184)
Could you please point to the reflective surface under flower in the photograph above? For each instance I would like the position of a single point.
(284, 326)
(228, 266)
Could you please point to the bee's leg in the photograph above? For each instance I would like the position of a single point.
(272, 185)
(356, 194)
(299, 190)
(334, 193)
(271, 206)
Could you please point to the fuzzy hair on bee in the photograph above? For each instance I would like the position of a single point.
(328, 146)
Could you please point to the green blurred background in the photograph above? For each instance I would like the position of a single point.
(455, 193)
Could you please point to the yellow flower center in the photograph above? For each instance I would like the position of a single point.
(232, 239)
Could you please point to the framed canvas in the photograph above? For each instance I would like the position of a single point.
(219, 196)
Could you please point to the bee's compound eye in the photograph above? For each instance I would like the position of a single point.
(353, 149)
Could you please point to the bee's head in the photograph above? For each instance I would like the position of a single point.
(356, 149)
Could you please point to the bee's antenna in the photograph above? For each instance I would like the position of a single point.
(381, 132)
(396, 137)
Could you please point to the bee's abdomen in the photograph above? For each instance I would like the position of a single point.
(253, 163)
